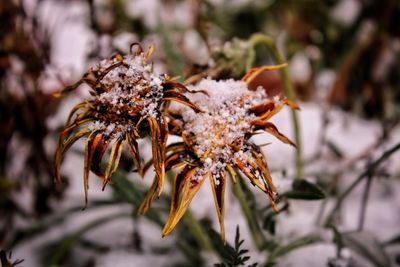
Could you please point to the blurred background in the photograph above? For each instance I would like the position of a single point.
(343, 64)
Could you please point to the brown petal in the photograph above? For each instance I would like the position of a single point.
(259, 109)
(183, 191)
(65, 133)
(250, 173)
(134, 151)
(262, 166)
(174, 161)
(271, 128)
(171, 95)
(149, 52)
(113, 160)
(63, 147)
(75, 109)
(159, 135)
(231, 172)
(169, 85)
(218, 184)
(150, 196)
(254, 72)
(87, 164)
(68, 89)
(98, 144)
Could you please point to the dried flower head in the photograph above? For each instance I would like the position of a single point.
(126, 104)
(217, 142)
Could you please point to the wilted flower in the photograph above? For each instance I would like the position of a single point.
(126, 104)
(216, 142)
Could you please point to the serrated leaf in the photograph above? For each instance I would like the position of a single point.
(302, 189)
(366, 245)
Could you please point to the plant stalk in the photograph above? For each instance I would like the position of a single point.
(255, 230)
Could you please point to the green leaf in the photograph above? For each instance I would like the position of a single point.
(302, 189)
(285, 249)
(366, 245)
(231, 256)
(132, 193)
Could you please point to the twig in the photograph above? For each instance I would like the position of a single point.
(369, 171)
(364, 202)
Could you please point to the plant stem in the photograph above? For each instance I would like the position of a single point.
(255, 230)
(259, 38)
(369, 171)
(364, 202)
(197, 231)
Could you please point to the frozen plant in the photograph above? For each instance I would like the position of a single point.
(128, 97)
(217, 141)
(216, 122)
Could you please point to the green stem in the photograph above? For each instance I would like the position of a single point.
(370, 169)
(259, 38)
(197, 231)
(255, 230)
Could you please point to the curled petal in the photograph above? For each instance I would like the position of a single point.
(138, 51)
(262, 166)
(267, 109)
(172, 95)
(113, 160)
(68, 89)
(149, 52)
(292, 104)
(98, 144)
(250, 173)
(150, 196)
(174, 160)
(159, 133)
(231, 172)
(134, 151)
(170, 85)
(75, 109)
(254, 72)
(106, 71)
(183, 191)
(218, 184)
(262, 108)
(272, 129)
(64, 146)
(87, 164)
(62, 142)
